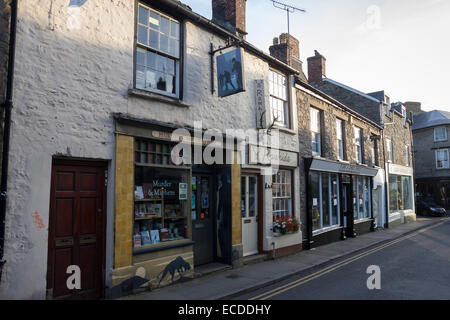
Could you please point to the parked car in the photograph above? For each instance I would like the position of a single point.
(428, 207)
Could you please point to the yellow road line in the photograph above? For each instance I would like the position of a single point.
(296, 283)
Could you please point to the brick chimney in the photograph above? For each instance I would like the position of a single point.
(316, 68)
(230, 14)
(279, 50)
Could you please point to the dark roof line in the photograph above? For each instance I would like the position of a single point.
(197, 18)
(334, 101)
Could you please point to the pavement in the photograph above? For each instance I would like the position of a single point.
(232, 283)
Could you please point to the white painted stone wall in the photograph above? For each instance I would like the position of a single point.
(69, 80)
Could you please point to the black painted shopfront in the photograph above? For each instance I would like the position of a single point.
(339, 201)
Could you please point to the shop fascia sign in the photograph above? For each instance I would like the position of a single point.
(269, 156)
(328, 166)
(168, 136)
(400, 170)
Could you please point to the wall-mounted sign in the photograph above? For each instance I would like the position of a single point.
(331, 166)
(400, 170)
(260, 105)
(183, 191)
(268, 156)
(230, 73)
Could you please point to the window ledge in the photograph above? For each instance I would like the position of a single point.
(325, 230)
(363, 220)
(156, 97)
(286, 130)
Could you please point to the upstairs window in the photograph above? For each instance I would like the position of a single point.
(408, 156)
(157, 52)
(442, 159)
(390, 150)
(315, 132)
(374, 152)
(440, 134)
(358, 145)
(340, 134)
(279, 98)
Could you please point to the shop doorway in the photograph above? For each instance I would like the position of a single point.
(76, 228)
(249, 213)
(203, 217)
(348, 200)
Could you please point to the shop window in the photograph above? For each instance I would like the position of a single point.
(279, 104)
(160, 197)
(440, 134)
(400, 193)
(361, 197)
(282, 194)
(147, 152)
(324, 200)
(316, 131)
(442, 161)
(157, 52)
(340, 134)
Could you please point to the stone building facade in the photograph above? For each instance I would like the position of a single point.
(396, 138)
(346, 172)
(431, 148)
(82, 128)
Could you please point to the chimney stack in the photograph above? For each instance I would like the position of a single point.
(279, 50)
(230, 14)
(414, 107)
(316, 68)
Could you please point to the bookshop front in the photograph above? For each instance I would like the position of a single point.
(168, 218)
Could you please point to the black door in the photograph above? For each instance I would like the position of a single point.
(203, 219)
(347, 195)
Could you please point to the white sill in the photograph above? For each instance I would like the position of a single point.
(286, 130)
(157, 97)
(362, 220)
(325, 230)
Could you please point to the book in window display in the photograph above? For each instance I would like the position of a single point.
(146, 240)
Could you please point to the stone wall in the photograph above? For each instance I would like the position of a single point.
(330, 113)
(400, 135)
(425, 154)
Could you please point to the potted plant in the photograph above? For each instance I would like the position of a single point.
(285, 225)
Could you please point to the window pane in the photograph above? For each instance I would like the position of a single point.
(164, 43)
(252, 197)
(326, 201)
(315, 195)
(174, 29)
(393, 193)
(142, 35)
(140, 56)
(335, 200)
(140, 77)
(355, 198)
(152, 59)
(243, 196)
(161, 82)
(154, 20)
(151, 79)
(143, 16)
(165, 26)
(174, 47)
(154, 40)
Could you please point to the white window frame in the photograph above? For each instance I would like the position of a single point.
(279, 94)
(387, 101)
(390, 150)
(358, 144)
(408, 156)
(437, 159)
(283, 184)
(147, 48)
(359, 180)
(340, 136)
(316, 136)
(445, 138)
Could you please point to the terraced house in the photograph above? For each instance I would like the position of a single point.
(395, 142)
(100, 88)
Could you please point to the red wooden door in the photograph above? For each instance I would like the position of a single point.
(76, 229)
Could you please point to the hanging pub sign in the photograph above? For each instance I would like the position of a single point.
(230, 73)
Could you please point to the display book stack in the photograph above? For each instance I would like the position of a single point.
(155, 221)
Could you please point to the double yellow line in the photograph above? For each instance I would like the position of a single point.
(274, 292)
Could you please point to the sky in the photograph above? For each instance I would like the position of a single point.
(400, 46)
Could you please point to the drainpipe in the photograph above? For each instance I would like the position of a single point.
(386, 179)
(8, 105)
